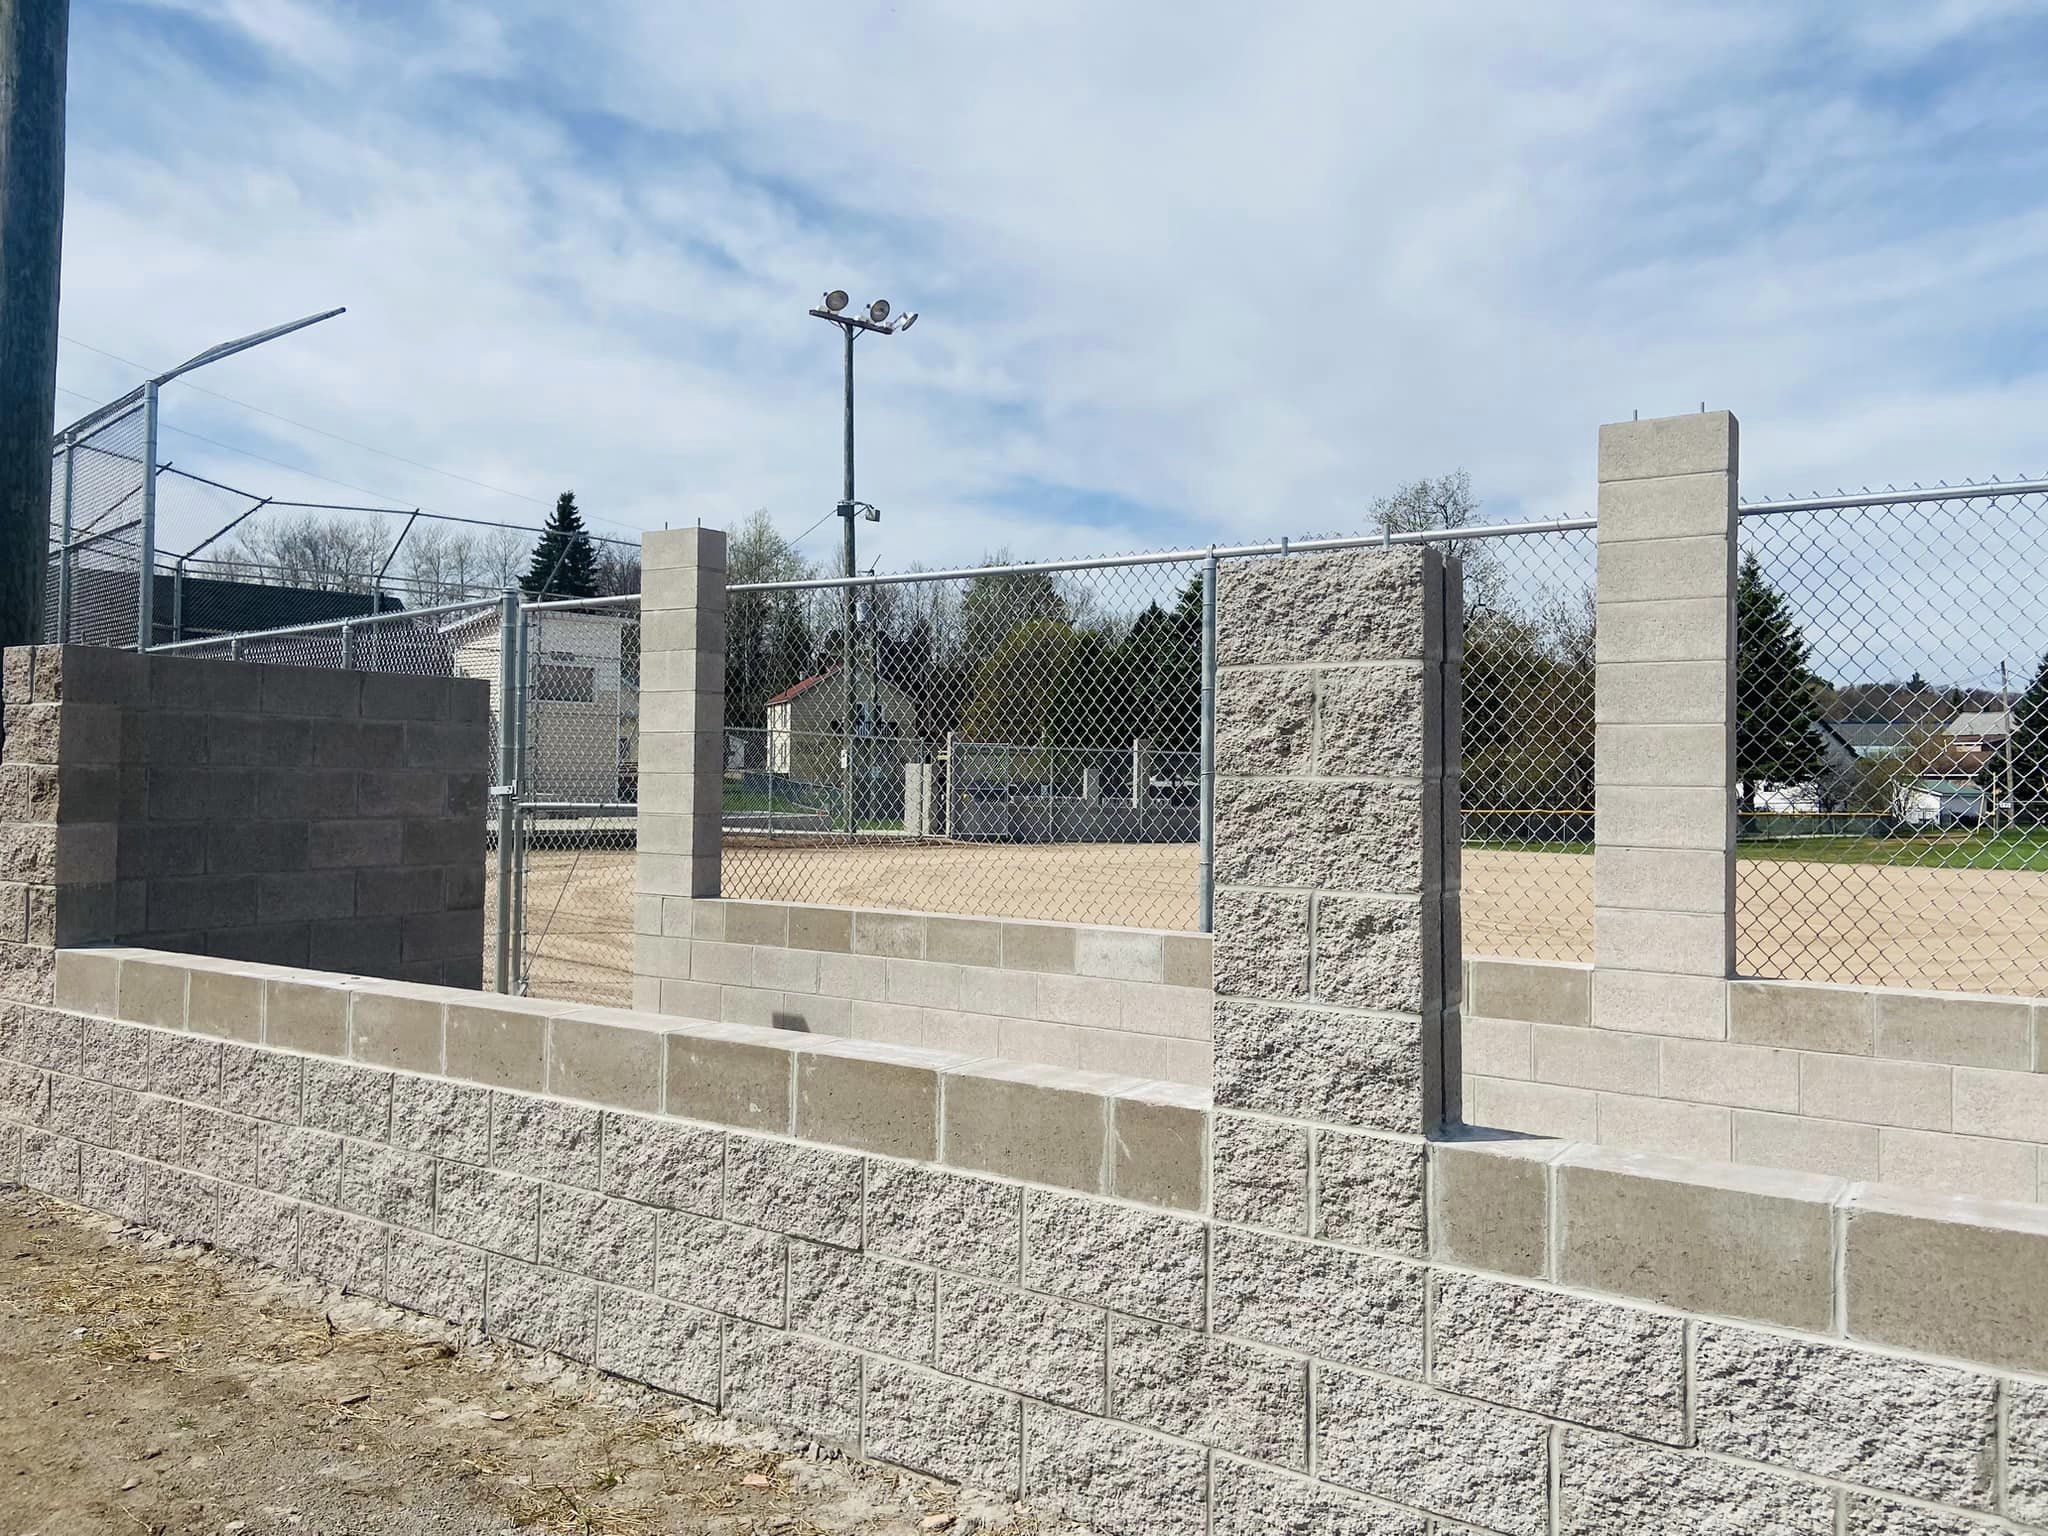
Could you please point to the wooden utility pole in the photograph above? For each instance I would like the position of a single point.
(32, 55)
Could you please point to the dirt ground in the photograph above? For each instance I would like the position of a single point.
(154, 1390)
(1978, 930)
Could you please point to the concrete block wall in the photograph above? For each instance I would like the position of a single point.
(297, 815)
(1938, 1090)
(1123, 1000)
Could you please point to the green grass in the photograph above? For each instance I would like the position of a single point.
(2026, 850)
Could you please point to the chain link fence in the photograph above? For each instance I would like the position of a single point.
(1012, 742)
(97, 493)
(1892, 739)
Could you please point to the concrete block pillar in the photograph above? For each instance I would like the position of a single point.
(682, 751)
(1664, 741)
(1336, 889)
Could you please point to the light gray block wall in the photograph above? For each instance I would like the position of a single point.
(1102, 999)
(1664, 738)
(299, 815)
(682, 741)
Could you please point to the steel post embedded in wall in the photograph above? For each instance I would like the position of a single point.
(145, 584)
(348, 643)
(521, 822)
(63, 630)
(502, 791)
(178, 600)
(1208, 767)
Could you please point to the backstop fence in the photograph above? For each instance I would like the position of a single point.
(1892, 738)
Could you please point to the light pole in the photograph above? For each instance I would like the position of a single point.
(877, 320)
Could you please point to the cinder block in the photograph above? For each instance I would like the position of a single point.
(604, 1062)
(877, 1098)
(782, 1379)
(302, 1164)
(542, 1308)
(219, 1145)
(822, 928)
(963, 1225)
(1351, 1308)
(1255, 1501)
(395, 1029)
(153, 992)
(1266, 724)
(299, 794)
(1611, 1488)
(225, 1003)
(1141, 1262)
(306, 1016)
(482, 1208)
(1532, 1109)
(183, 1067)
(1187, 960)
(727, 1269)
(262, 1083)
(1660, 692)
(501, 1044)
(872, 1304)
(1032, 1123)
(257, 1226)
(591, 1235)
(1262, 945)
(1660, 569)
(671, 1348)
(354, 1100)
(1806, 1016)
(891, 935)
(1744, 1076)
(1692, 1007)
(1490, 1203)
(1980, 1166)
(1947, 1275)
(1261, 1173)
(970, 941)
(1595, 1058)
(1366, 605)
(917, 983)
(1682, 629)
(1962, 1031)
(431, 1114)
(1451, 1457)
(388, 1185)
(344, 1251)
(941, 1427)
(1538, 991)
(1563, 1357)
(1748, 1243)
(1319, 1064)
(1049, 1349)
(365, 946)
(1706, 444)
(787, 1187)
(1113, 1478)
(1898, 1425)
(88, 981)
(441, 1279)
(1370, 1192)
(1047, 948)
(1225, 1395)
(1159, 1150)
(1836, 1148)
(545, 1139)
(1876, 1092)
(1657, 817)
(1120, 954)
(659, 1163)
(726, 1076)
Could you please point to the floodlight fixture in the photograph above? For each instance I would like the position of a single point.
(879, 311)
(907, 321)
(835, 301)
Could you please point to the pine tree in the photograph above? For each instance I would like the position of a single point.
(564, 562)
(1777, 693)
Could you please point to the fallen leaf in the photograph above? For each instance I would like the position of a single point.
(500, 1416)
(754, 1480)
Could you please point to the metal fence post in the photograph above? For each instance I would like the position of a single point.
(521, 818)
(1208, 768)
(508, 629)
(64, 546)
(348, 647)
(145, 584)
(178, 600)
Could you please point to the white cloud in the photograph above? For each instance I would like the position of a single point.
(1230, 272)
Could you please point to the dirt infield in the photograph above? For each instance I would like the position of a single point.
(1973, 930)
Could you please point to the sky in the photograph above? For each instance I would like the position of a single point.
(1186, 272)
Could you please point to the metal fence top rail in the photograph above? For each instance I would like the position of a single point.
(1175, 556)
(621, 600)
(392, 616)
(1895, 498)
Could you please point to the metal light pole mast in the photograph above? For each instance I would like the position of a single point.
(33, 39)
(877, 320)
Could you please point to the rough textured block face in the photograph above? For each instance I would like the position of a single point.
(1269, 719)
(1561, 1356)
(968, 1226)
(1348, 1307)
(872, 1304)
(1453, 1458)
(431, 1114)
(547, 1310)
(390, 1186)
(1372, 952)
(672, 1348)
(807, 1191)
(1363, 606)
(1262, 945)
(722, 1268)
(1224, 1395)
(1897, 1425)
(483, 1209)
(1111, 1477)
(1034, 1344)
(1369, 1192)
(605, 1239)
(356, 1101)
(1757, 1245)
(1319, 1064)
(1613, 1489)
(943, 1428)
(662, 1164)
(1947, 1276)
(2026, 1474)
(1253, 1501)
(1261, 1173)
(1135, 1261)
(543, 1139)
(1864, 1515)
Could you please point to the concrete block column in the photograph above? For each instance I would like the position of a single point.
(1336, 889)
(682, 751)
(1664, 742)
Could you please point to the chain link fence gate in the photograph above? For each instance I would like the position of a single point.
(1892, 738)
(98, 490)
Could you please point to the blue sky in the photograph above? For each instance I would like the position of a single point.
(1186, 272)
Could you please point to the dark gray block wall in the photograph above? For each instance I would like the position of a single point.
(294, 815)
